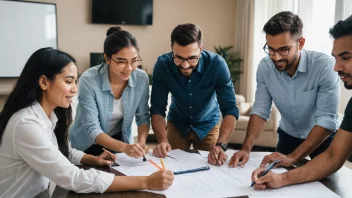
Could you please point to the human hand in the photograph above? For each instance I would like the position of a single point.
(285, 160)
(105, 158)
(240, 157)
(269, 180)
(160, 180)
(217, 156)
(135, 150)
(162, 149)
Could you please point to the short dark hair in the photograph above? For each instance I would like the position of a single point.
(48, 62)
(185, 34)
(342, 28)
(282, 22)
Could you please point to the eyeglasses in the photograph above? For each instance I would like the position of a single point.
(191, 60)
(124, 63)
(284, 51)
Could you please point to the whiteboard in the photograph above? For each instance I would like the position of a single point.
(24, 28)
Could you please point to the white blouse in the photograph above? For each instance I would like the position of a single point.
(29, 158)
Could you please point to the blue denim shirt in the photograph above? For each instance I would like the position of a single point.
(95, 106)
(311, 97)
(195, 100)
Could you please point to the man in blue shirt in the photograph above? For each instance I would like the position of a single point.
(200, 84)
(303, 86)
(340, 149)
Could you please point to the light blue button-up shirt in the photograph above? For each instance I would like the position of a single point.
(311, 97)
(94, 110)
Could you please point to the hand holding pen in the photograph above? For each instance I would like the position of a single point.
(263, 178)
(106, 158)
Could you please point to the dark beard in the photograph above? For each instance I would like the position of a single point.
(347, 86)
(288, 64)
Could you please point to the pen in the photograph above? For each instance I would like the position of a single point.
(170, 157)
(151, 161)
(109, 158)
(162, 163)
(192, 170)
(144, 159)
(267, 170)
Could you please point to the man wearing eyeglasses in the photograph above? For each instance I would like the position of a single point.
(200, 84)
(303, 86)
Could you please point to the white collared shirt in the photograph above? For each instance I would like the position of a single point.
(29, 158)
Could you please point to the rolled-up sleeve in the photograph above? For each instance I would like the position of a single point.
(142, 112)
(263, 100)
(33, 145)
(225, 91)
(87, 110)
(74, 155)
(328, 99)
(160, 90)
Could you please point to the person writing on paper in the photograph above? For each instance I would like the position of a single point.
(110, 95)
(341, 148)
(200, 84)
(33, 136)
(303, 86)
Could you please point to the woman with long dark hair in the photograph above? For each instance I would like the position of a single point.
(33, 136)
(110, 95)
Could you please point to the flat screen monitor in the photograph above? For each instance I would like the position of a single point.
(129, 12)
(24, 28)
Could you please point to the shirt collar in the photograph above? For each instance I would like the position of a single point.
(47, 121)
(303, 62)
(105, 85)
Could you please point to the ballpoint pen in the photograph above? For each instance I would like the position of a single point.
(267, 170)
(192, 170)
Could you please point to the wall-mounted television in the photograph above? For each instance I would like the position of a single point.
(126, 12)
(24, 28)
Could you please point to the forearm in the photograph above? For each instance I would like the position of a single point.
(89, 160)
(255, 127)
(110, 143)
(317, 169)
(317, 135)
(143, 131)
(227, 126)
(159, 128)
(124, 183)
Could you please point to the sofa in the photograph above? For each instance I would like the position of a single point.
(268, 138)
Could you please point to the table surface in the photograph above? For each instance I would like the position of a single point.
(337, 182)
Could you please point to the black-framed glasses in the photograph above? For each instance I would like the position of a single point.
(191, 60)
(124, 63)
(283, 51)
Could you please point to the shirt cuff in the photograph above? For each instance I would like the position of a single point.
(94, 134)
(328, 123)
(260, 114)
(77, 156)
(103, 181)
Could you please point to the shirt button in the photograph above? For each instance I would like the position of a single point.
(191, 117)
(293, 110)
(190, 94)
(125, 126)
(190, 107)
(189, 81)
(296, 121)
(124, 101)
(302, 136)
(125, 111)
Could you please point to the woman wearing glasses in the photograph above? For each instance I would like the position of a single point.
(33, 136)
(110, 95)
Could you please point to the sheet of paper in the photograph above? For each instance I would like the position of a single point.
(221, 181)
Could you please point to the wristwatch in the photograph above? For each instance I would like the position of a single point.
(222, 145)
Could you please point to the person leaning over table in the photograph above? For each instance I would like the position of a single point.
(109, 96)
(33, 136)
(341, 147)
(304, 88)
(201, 88)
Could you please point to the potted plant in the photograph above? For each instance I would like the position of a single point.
(232, 59)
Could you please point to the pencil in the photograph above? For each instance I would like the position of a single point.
(151, 161)
(162, 163)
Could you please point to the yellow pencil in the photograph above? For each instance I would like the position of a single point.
(162, 163)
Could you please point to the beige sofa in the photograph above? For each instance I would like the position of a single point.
(267, 138)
